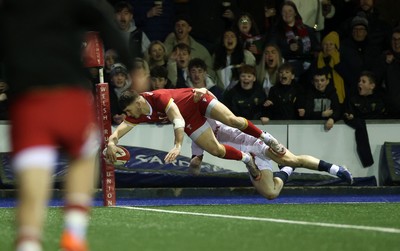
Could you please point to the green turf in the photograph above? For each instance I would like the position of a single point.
(123, 229)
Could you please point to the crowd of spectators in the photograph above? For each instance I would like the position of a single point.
(265, 59)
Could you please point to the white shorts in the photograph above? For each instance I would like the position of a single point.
(239, 140)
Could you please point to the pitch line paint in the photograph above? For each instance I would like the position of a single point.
(318, 224)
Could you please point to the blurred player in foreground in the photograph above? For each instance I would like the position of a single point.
(188, 110)
(52, 108)
(270, 184)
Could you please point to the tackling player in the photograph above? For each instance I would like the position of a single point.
(270, 184)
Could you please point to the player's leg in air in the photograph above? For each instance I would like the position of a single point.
(218, 111)
(204, 137)
(270, 184)
(266, 184)
(290, 161)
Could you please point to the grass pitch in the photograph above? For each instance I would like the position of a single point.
(350, 226)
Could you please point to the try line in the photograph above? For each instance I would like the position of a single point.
(319, 224)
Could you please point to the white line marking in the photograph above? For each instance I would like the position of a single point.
(319, 224)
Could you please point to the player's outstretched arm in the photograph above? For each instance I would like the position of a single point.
(175, 116)
(119, 132)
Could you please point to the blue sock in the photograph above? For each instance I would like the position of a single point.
(324, 166)
(282, 175)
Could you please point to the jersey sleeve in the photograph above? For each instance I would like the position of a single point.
(162, 100)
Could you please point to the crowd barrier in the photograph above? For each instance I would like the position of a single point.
(301, 137)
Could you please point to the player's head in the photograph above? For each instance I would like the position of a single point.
(321, 79)
(129, 103)
(247, 76)
(367, 83)
(158, 77)
(286, 74)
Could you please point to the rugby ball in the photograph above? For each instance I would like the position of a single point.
(123, 156)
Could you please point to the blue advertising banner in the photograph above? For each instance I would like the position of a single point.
(147, 168)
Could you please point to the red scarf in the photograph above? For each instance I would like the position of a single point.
(299, 32)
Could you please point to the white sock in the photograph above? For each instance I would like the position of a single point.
(76, 222)
(334, 169)
(29, 239)
(288, 170)
(246, 157)
(29, 245)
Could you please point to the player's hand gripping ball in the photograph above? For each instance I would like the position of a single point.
(122, 155)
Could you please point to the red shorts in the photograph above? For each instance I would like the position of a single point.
(62, 118)
(196, 116)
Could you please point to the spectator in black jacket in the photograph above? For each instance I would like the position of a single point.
(388, 71)
(365, 105)
(137, 40)
(378, 30)
(246, 98)
(357, 53)
(159, 78)
(322, 101)
(286, 98)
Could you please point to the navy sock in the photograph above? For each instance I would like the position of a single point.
(281, 175)
(324, 166)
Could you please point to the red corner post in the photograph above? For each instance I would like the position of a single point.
(107, 170)
(93, 57)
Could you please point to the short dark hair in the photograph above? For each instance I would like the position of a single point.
(159, 71)
(127, 97)
(184, 17)
(197, 62)
(182, 46)
(370, 75)
(119, 6)
(321, 72)
(286, 66)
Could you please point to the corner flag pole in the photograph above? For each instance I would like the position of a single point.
(93, 56)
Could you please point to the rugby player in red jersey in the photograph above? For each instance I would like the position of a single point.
(188, 110)
(52, 108)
